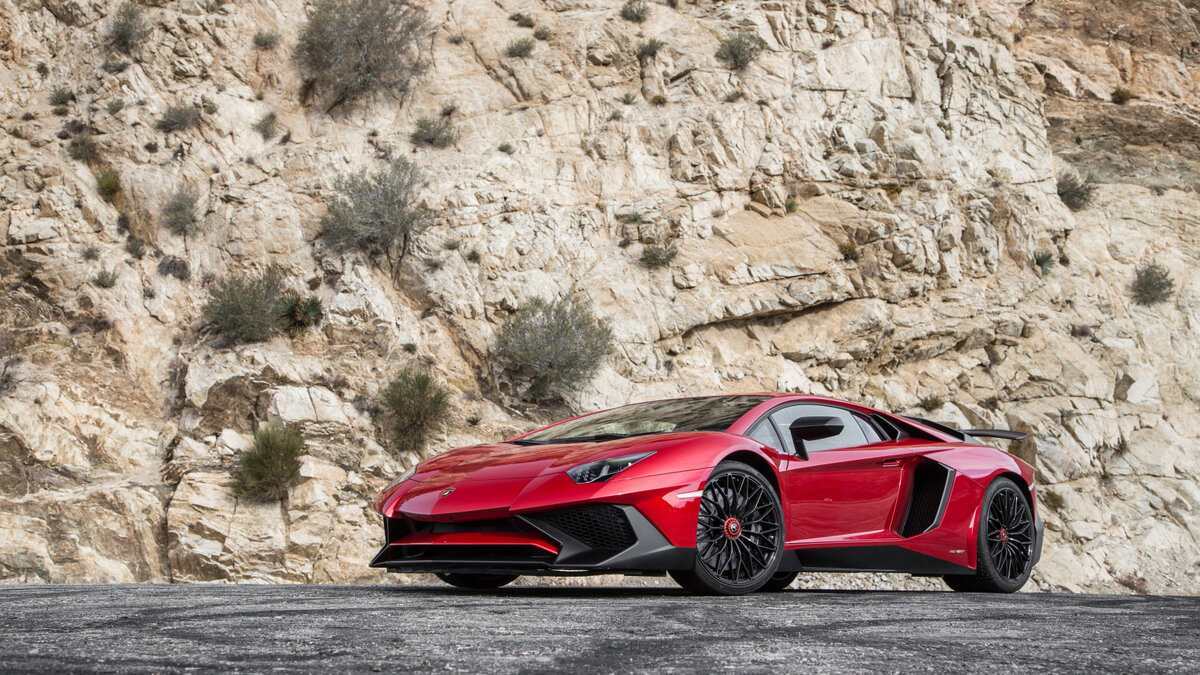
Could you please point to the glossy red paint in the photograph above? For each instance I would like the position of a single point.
(832, 499)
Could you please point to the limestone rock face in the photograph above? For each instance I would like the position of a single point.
(857, 213)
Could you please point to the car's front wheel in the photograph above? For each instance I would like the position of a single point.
(1004, 558)
(477, 582)
(739, 534)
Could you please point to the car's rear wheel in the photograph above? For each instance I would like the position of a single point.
(1004, 557)
(478, 582)
(739, 534)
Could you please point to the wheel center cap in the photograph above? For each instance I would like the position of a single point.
(1003, 534)
(733, 528)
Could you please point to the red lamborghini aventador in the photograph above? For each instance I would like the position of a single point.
(727, 494)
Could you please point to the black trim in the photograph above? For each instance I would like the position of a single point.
(868, 559)
(997, 433)
(931, 483)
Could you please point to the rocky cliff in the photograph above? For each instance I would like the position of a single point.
(868, 210)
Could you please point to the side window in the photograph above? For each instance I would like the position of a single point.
(852, 434)
(764, 432)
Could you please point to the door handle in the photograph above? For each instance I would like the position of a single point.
(892, 462)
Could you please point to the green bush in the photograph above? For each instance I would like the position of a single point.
(60, 110)
(437, 133)
(91, 253)
(178, 118)
(245, 309)
(635, 11)
(271, 466)
(419, 405)
(542, 33)
(1153, 284)
(931, 402)
(128, 29)
(300, 313)
(506, 148)
(848, 250)
(1044, 260)
(1121, 96)
(1076, 193)
(734, 96)
(267, 126)
(84, 148)
(353, 48)
(376, 213)
(1053, 500)
(650, 48)
(658, 100)
(178, 214)
(659, 256)
(171, 266)
(473, 256)
(61, 96)
(115, 106)
(524, 21)
(739, 50)
(108, 183)
(105, 279)
(557, 345)
(791, 205)
(265, 40)
(519, 49)
(629, 98)
(136, 248)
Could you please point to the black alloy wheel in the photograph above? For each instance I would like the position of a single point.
(1004, 558)
(739, 533)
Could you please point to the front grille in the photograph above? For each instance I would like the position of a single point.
(600, 527)
(455, 555)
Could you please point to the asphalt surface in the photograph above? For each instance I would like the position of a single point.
(569, 630)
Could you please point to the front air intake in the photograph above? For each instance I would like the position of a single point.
(930, 488)
(601, 527)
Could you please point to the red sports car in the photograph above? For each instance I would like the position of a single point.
(727, 494)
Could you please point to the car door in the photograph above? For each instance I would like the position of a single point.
(844, 485)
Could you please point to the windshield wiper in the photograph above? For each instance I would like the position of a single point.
(582, 439)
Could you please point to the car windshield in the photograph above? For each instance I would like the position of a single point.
(711, 413)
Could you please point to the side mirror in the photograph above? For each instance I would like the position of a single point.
(813, 429)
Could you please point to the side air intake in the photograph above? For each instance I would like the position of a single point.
(930, 490)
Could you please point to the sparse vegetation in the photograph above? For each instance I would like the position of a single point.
(473, 256)
(616, 115)
(1053, 500)
(84, 148)
(650, 48)
(739, 50)
(791, 205)
(61, 96)
(178, 214)
(449, 109)
(557, 345)
(128, 29)
(377, 213)
(245, 308)
(271, 466)
(437, 133)
(91, 253)
(734, 96)
(418, 405)
(474, 420)
(524, 20)
(629, 98)
(1134, 583)
(265, 40)
(452, 244)
(300, 313)
(59, 111)
(105, 279)
(1044, 260)
(659, 255)
(135, 247)
(172, 266)
(632, 218)
(108, 183)
(115, 106)
(635, 11)
(506, 148)
(457, 39)
(542, 33)
(519, 49)
(1121, 96)
(1152, 284)
(931, 402)
(352, 48)
(178, 118)
(658, 99)
(266, 126)
(848, 251)
(1075, 192)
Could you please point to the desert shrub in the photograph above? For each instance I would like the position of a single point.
(356, 47)
(437, 133)
(1044, 260)
(633, 218)
(60, 111)
(108, 183)
(1121, 96)
(1053, 500)
(267, 126)
(1075, 192)
(418, 405)
(635, 11)
(718, 212)
(128, 29)
(506, 148)
(449, 109)
(105, 279)
(84, 148)
(452, 244)
(658, 99)
(28, 116)
(61, 96)
(115, 106)
(474, 420)
(848, 250)
(734, 96)
(300, 313)
(524, 20)
(178, 214)
(245, 308)
(265, 40)
(376, 213)
(615, 116)
(739, 50)
(791, 205)
(1152, 284)
(91, 253)
(172, 266)
(136, 248)
(629, 98)
(457, 39)
(542, 33)
(650, 48)
(178, 118)
(659, 256)
(519, 49)
(473, 256)
(271, 466)
(557, 344)
(931, 402)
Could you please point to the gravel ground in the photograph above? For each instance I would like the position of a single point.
(578, 629)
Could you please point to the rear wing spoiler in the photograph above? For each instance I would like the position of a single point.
(970, 434)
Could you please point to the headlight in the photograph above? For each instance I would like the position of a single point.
(602, 470)
(403, 477)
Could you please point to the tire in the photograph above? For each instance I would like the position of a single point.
(1004, 544)
(476, 582)
(739, 534)
(779, 582)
